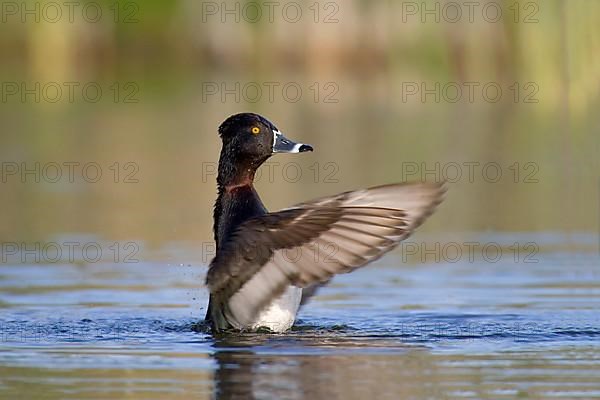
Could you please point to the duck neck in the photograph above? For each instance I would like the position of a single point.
(235, 172)
(237, 200)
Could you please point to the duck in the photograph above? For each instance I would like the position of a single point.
(268, 264)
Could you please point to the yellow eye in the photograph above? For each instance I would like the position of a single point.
(256, 130)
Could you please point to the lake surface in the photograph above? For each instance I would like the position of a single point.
(462, 328)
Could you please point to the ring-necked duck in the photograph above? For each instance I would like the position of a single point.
(267, 262)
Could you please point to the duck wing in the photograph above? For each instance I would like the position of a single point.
(307, 244)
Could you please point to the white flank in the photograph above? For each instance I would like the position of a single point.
(280, 315)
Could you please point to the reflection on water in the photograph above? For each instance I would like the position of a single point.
(439, 330)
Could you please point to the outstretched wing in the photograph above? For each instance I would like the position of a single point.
(309, 243)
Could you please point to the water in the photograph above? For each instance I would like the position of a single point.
(464, 329)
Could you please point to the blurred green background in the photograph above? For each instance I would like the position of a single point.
(346, 77)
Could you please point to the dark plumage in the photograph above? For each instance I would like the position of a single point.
(263, 259)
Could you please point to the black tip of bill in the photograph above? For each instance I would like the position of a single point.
(305, 147)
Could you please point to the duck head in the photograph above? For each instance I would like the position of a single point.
(248, 141)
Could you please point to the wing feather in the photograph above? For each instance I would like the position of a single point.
(308, 244)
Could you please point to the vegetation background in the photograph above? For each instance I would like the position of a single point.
(170, 72)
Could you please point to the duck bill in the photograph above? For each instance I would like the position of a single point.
(281, 144)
